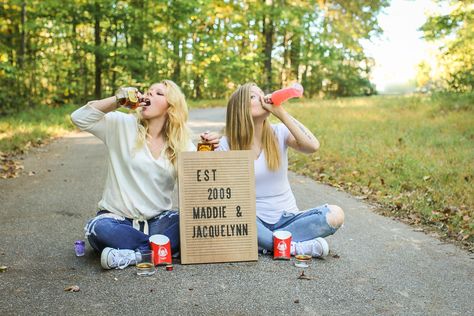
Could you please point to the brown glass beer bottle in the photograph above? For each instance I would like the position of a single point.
(128, 97)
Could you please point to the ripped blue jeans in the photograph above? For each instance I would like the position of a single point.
(303, 226)
(119, 233)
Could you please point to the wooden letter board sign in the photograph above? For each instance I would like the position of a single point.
(217, 217)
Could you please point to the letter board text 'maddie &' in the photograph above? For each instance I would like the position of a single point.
(217, 207)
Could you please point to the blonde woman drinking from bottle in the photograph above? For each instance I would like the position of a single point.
(142, 156)
(248, 128)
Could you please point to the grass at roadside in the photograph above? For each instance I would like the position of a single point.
(413, 155)
(33, 127)
(29, 128)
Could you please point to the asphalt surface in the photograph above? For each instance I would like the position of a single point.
(377, 265)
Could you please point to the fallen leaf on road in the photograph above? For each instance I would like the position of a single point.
(3, 268)
(9, 168)
(304, 276)
(464, 237)
(72, 288)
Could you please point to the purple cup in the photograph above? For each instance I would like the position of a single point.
(80, 247)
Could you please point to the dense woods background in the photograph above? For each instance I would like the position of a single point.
(56, 51)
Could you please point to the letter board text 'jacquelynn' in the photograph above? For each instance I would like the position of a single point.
(217, 207)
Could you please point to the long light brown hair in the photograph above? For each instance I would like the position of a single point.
(176, 133)
(240, 127)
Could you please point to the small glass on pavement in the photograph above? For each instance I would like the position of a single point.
(302, 261)
(145, 264)
(80, 247)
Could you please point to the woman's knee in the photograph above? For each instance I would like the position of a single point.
(335, 216)
(102, 227)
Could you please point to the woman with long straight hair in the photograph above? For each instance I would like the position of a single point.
(142, 157)
(248, 128)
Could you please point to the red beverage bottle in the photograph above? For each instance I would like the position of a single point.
(280, 96)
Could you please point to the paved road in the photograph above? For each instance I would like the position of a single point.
(381, 267)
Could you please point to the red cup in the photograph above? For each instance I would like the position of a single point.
(281, 245)
(161, 247)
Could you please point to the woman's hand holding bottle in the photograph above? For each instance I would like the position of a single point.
(130, 98)
(278, 97)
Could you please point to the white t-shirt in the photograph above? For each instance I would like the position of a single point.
(138, 186)
(273, 191)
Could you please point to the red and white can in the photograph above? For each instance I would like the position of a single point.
(161, 247)
(281, 245)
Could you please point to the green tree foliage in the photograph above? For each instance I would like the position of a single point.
(54, 52)
(456, 58)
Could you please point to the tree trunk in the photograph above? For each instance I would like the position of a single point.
(197, 87)
(196, 59)
(79, 59)
(114, 61)
(285, 75)
(268, 29)
(85, 73)
(295, 56)
(305, 61)
(21, 53)
(98, 54)
(136, 40)
(177, 62)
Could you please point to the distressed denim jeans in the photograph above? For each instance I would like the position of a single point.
(119, 232)
(303, 226)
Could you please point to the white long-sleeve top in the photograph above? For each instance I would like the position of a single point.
(138, 186)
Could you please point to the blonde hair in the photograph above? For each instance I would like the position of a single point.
(176, 133)
(240, 127)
